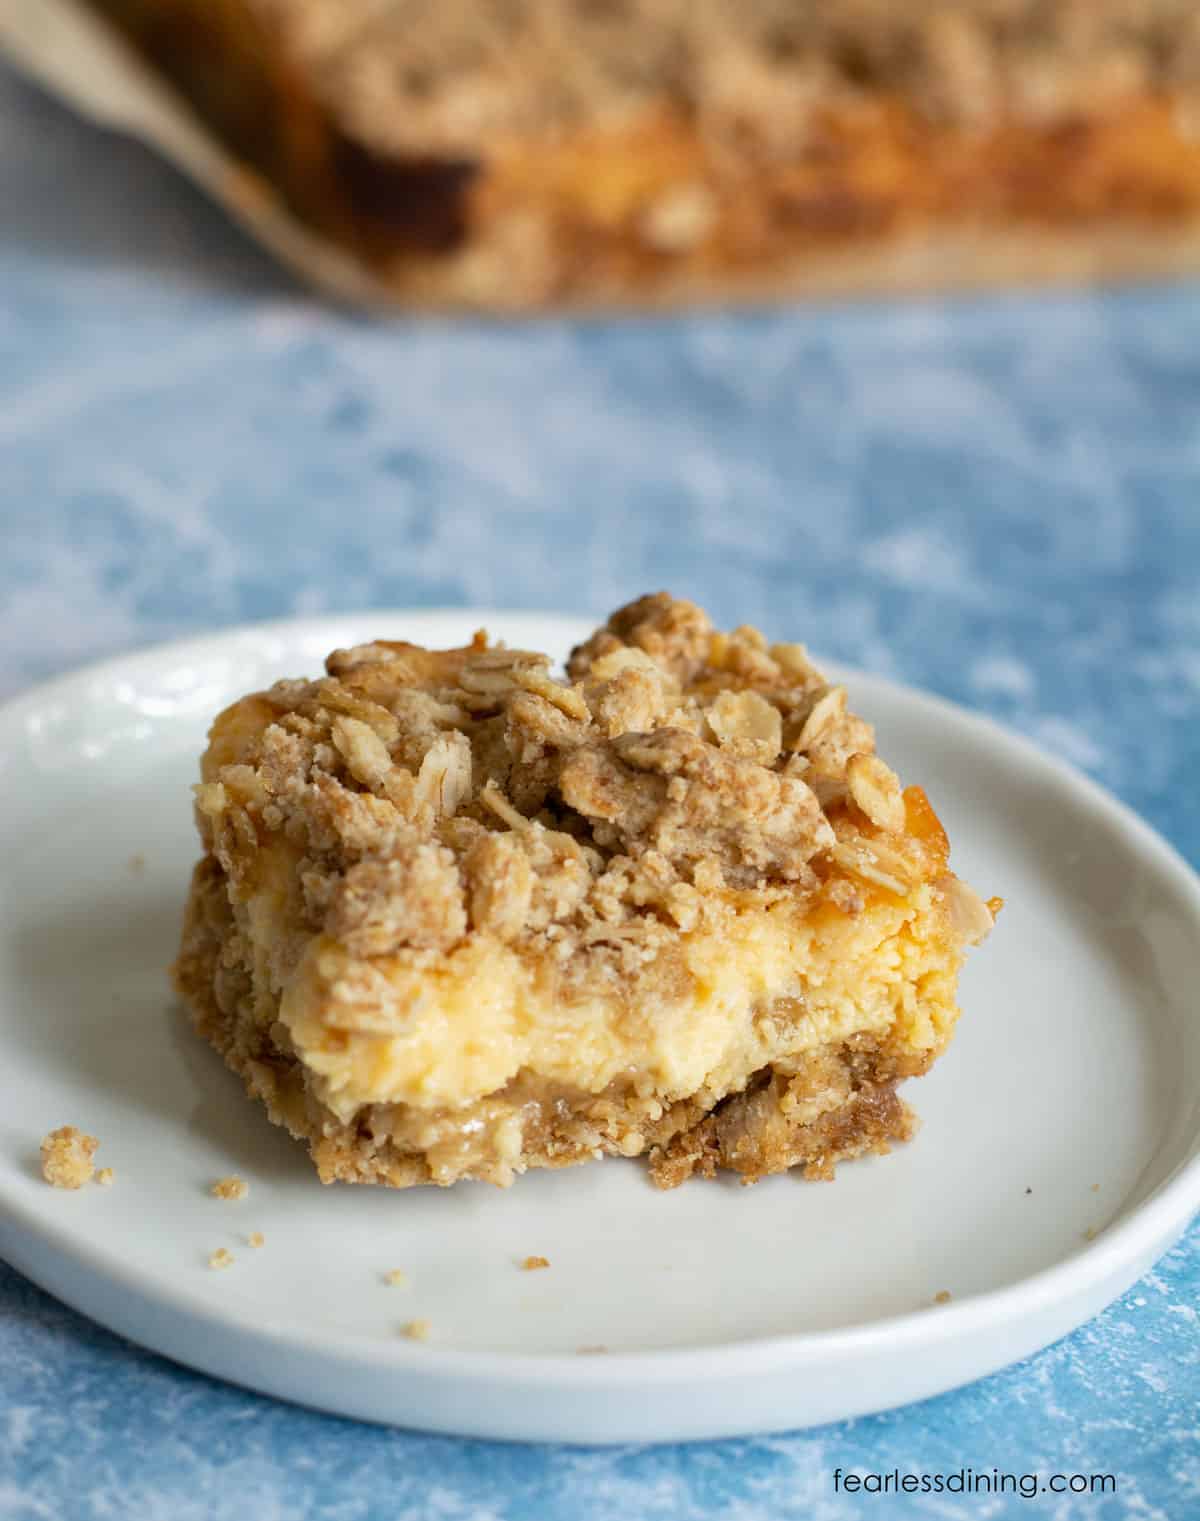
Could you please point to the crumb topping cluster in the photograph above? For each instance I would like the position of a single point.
(231, 1187)
(428, 795)
(422, 76)
(67, 1158)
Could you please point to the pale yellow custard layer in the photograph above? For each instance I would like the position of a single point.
(778, 980)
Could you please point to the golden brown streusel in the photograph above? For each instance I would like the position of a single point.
(67, 1157)
(231, 1187)
(431, 793)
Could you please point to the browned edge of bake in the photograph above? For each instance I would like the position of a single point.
(245, 87)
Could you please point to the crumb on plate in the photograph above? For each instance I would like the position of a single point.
(397, 1278)
(221, 1258)
(105, 1176)
(232, 1187)
(531, 1264)
(67, 1157)
(256, 1239)
(942, 1297)
(416, 1330)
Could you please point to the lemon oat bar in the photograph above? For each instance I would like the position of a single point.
(458, 917)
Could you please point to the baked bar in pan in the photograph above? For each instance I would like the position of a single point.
(518, 154)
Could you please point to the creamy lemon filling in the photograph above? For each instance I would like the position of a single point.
(778, 981)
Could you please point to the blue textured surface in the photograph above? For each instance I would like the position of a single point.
(997, 500)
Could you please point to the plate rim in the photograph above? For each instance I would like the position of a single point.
(1150, 1226)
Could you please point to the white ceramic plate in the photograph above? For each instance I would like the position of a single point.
(1058, 1156)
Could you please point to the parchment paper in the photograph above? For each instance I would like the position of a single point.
(74, 54)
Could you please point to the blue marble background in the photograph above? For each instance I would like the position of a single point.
(999, 500)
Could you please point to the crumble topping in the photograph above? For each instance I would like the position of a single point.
(67, 1157)
(412, 900)
(675, 793)
(230, 1188)
(415, 77)
(675, 634)
(428, 794)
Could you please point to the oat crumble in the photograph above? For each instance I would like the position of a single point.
(67, 1157)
